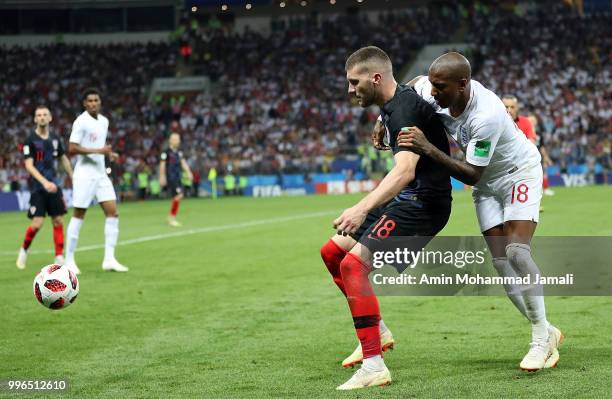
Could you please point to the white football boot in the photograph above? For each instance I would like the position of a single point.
(365, 378)
(539, 353)
(557, 338)
(73, 268)
(22, 259)
(173, 222)
(386, 343)
(113, 265)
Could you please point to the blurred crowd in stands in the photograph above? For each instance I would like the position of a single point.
(279, 103)
(558, 64)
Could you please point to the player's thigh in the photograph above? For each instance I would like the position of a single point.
(83, 192)
(105, 192)
(489, 209)
(522, 196)
(56, 206)
(38, 205)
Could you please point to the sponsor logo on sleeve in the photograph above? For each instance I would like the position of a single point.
(482, 148)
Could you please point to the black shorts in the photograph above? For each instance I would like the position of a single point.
(174, 188)
(43, 203)
(410, 223)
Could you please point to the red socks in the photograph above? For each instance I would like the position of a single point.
(332, 255)
(545, 182)
(363, 303)
(29, 236)
(58, 239)
(175, 206)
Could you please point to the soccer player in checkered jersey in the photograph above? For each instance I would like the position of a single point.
(88, 142)
(504, 168)
(412, 204)
(171, 168)
(41, 150)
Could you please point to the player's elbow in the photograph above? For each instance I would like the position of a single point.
(473, 177)
(72, 149)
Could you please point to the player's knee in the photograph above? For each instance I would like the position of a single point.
(518, 254)
(332, 253)
(351, 265)
(58, 221)
(37, 223)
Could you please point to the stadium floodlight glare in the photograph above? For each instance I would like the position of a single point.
(303, 3)
(332, 2)
(282, 4)
(248, 6)
(194, 9)
(224, 7)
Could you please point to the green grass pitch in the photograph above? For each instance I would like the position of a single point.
(237, 303)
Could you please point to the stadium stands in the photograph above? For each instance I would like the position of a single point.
(280, 102)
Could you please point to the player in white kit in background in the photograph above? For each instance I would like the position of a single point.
(90, 180)
(504, 168)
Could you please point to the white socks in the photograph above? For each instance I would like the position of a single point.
(72, 236)
(374, 363)
(504, 269)
(111, 233)
(519, 256)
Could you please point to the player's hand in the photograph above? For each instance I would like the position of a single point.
(378, 135)
(350, 220)
(50, 187)
(413, 138)
(113, 156)
(107, 149)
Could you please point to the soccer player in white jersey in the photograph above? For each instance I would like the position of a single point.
(504, 168)
(90, 180)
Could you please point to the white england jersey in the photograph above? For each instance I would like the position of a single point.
(486, 133)
(89, 132)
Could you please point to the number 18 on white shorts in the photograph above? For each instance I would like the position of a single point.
(513, 197)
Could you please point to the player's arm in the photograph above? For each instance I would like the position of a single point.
(401, 175)
(162, 169)
(186, 169)
(67, 165)
(77, 149)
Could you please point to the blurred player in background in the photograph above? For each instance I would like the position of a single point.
(546, 161)
(413, 200)
(523, 122)
(504, 168)
(41, 150)
(171, 168)
(88, 142)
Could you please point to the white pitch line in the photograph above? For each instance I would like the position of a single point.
(188, 232)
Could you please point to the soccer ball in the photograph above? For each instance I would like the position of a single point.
(56, 287)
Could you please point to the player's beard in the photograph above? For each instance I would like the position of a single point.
(367, 97)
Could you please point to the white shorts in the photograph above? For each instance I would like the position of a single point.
(84, 190)
(513, 197)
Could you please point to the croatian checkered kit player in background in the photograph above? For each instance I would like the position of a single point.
(41, 150)
(171, 168)
(88, 142)
(504, 168)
